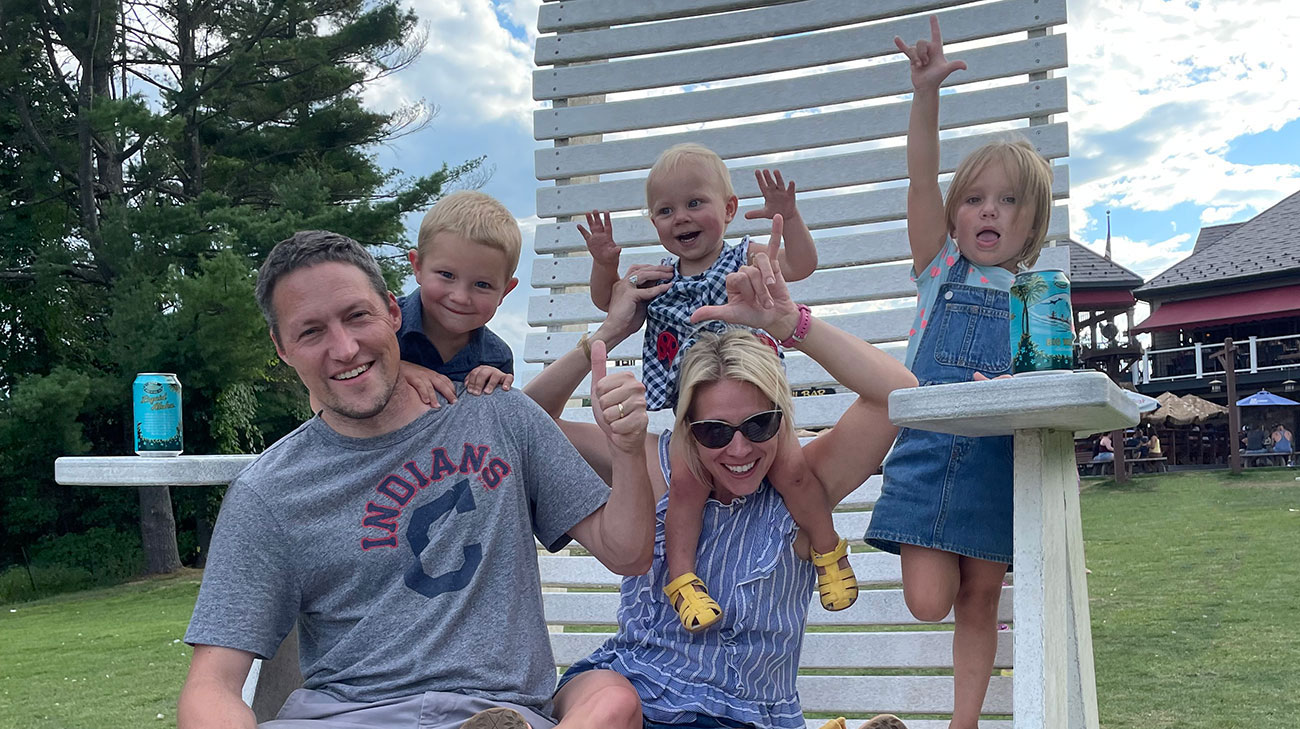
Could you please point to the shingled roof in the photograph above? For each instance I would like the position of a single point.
(1089, 270)
(1213, 234)
(1264, 246)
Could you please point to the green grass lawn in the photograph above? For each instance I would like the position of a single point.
(1194, 585)
(1194, 588)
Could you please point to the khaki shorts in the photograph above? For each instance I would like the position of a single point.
(307, 709)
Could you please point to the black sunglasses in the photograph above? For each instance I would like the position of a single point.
(756, 428)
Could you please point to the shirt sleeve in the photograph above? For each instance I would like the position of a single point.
(562, 488)
(249, 597)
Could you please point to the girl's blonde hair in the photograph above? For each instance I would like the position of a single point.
(734, 354)
(689, 153)
(1033, 176)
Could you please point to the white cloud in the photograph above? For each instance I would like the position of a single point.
(1160, 90)
(1145, 258)
(472, 67)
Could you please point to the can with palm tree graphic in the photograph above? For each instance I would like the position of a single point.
(1042, 322)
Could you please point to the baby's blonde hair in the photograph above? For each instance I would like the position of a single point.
(1033, 176)
(475, 216)
(735, 354)
(689, 153)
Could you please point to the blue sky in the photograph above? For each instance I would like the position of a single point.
(1182, 114)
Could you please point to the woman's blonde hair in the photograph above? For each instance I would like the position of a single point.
(1033, 180)
(689, 153)
(734, 354)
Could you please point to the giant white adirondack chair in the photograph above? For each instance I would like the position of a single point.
(796, 84)
(817, 88)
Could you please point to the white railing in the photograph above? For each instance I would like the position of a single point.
(1198, 361)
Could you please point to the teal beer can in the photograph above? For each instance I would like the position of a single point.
(1042, 322)
(157, 406)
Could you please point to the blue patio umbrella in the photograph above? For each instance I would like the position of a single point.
(1264, 397)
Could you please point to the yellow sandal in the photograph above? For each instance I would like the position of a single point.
(690, 598)
(838, 586)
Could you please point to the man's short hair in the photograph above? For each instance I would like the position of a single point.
(308, 248)
(475, 216)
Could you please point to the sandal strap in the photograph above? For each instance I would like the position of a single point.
(687, 578)
(833, 556)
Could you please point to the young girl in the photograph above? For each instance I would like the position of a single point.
(690, 198)
(946, 501)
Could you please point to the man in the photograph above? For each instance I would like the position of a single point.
(400, 537)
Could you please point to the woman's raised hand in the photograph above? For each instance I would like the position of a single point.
(756, 294)
(929, 66)
(617, 403)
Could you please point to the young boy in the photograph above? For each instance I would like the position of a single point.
(464, 263)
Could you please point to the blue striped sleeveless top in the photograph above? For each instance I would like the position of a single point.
(743, 668)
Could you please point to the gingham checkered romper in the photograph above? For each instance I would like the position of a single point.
(668, 321)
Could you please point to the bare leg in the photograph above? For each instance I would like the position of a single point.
(598, 700)
(930, 581)
(975, 639)
(686, 499)
(804, 496)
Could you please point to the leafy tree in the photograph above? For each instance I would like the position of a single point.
(153, 151)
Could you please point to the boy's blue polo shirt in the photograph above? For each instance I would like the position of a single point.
(483, 347)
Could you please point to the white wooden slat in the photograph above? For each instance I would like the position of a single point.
(851, 525)
(819, 411)
(872, 650)
(560, 16)
(785, 54)
(855, 249)
(549, 346)
(828, 211)
(895, 694)
(746, 24)
(872, 568)
(879, 607)
(800, 372)
(862, 124)
(835, 286)
(864, 496)
(856, 721)
(1034, 55)
(809, 173)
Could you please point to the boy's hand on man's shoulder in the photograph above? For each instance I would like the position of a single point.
(483, 379)
(428, 384)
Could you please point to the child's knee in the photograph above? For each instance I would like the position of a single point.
(927, 605)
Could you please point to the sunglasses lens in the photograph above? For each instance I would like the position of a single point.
(761, 427)
(712, 433)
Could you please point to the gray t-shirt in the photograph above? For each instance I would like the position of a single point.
(408, 559)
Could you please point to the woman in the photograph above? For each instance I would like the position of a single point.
(733, 415)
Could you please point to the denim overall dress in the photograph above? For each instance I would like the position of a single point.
(952, 492)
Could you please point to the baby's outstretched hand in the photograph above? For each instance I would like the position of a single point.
(980, 377)
(929, 66)
(486, 378)
(778, 197)
(600, 238)
(427, 383)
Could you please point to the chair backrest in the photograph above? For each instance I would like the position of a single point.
(817, 89)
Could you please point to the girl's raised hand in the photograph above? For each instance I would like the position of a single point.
(778, 197)
(929, 66)
(617, 403)
(600, 238)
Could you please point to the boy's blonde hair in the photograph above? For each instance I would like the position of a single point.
(1033, 176)
(735, 354)
(478, 217)
(689, 153)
